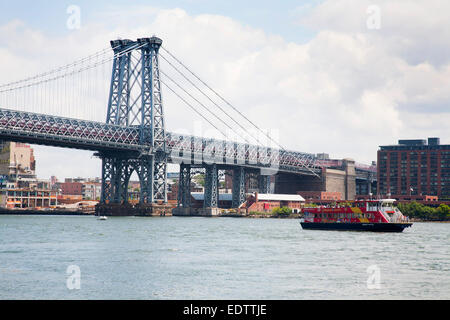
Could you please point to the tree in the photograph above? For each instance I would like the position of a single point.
(417, 210)
(443, 212)
(200, 179)
(429, 213)
(284, 211)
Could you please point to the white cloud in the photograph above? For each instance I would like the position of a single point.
(344, 92)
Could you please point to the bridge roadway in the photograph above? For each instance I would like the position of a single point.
(57, 131)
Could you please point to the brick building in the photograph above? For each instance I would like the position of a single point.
(414, 168)
(72, 188)
(267, 202)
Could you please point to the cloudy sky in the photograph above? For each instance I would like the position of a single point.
(338, 76)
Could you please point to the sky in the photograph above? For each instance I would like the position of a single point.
(336, 76)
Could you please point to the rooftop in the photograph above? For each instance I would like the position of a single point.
(279, 197)
(418, 144)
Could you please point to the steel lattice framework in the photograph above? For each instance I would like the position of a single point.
(67, 132)
(197, 150)
(135, 100)
(90, 135)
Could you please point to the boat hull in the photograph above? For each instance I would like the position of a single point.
(375, 227)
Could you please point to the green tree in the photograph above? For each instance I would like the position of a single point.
(424, 212)
(284, 211)
(429, 213)
(200, 179)
(443, 212)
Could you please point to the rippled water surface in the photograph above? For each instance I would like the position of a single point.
(218, 258)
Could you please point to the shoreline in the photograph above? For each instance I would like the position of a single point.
(6, 212)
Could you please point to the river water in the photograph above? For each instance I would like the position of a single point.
(79, 257)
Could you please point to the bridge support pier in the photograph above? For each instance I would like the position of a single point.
(264, 184)
(116, 173)
(211, 198)
(238, 187)
(184, 186)
(114, 180)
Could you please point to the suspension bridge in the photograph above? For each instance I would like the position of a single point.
(56, 108)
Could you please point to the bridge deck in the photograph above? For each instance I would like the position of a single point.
(96, 136)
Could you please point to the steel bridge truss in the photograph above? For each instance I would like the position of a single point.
(90, 135)
(67, 132)
(197, 150)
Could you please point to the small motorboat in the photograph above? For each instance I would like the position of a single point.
(102, 218)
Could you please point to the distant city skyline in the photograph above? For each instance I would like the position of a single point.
(340, 76)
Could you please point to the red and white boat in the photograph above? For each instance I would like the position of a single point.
(362, 215)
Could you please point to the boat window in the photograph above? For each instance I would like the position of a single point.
(388, 206)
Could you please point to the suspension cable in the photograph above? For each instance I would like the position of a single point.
(76, 62)
(304, 158)
(193, 108)
(96, 64)
(205, 107)
(209, 98)
(221, 98)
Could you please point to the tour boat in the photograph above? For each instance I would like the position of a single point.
(362, 215)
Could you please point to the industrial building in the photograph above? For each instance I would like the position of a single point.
(340, 180)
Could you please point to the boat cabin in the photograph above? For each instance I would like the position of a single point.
(360, 211)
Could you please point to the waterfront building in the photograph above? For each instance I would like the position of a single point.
(414, 169)
(321, 195)
(19, 186)
(71, 188)
(17, 163)
(80, 188)
(266, 202)
(30, 198)
(91, 190)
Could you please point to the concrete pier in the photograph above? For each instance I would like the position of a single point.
(127, 209)
(196, 212)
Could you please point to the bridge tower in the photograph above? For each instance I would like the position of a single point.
(135, 100)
